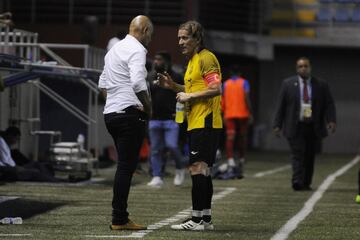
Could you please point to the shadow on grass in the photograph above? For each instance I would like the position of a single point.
(26, 208)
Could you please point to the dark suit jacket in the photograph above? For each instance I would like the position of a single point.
(287, 112)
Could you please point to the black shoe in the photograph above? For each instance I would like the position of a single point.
(307, 188)
(240, 176)
(297, 187)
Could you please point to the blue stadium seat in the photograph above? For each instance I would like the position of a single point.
(324, 15)
(342, 15)
(344, 1)
(355, 17)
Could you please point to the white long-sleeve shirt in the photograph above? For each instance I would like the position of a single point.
(124, 74)
(5, 155)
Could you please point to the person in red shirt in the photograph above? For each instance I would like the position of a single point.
(237, 111)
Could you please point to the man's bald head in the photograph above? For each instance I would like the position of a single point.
(142, 29)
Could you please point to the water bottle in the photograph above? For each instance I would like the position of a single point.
(11, 220)
(179, 116)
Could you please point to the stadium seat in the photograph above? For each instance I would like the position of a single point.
(344, 1)
(305, 16)
(342, 15)
(355, 17)
(324, 15)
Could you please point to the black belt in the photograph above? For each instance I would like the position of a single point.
(132, 110)
(306, 121)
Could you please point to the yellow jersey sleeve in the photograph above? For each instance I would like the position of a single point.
(208, 63)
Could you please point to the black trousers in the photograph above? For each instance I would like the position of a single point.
(304, 147)
(128, 131)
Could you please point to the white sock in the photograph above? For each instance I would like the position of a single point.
(231, 162)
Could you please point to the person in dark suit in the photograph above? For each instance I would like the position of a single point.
(305, 113)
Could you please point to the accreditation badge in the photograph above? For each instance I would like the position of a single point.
(306, 108)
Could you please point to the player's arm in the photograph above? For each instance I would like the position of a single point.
(165, 80)
(211, 74)
(213, 89)
(248, 101)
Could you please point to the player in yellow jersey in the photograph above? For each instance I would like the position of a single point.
(201, 94)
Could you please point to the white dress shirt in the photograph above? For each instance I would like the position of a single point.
(124, 74)
(5, 155)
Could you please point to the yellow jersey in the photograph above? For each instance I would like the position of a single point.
(204, 112)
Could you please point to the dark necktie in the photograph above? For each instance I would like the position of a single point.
(305, 93)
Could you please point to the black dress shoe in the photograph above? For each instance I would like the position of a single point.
(307, 188)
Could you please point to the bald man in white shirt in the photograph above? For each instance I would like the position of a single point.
(126, 110)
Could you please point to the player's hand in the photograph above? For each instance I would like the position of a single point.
(277, 131)
(164, 80)
(183, 97)
(331, 126)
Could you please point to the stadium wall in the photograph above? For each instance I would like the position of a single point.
(164, 38)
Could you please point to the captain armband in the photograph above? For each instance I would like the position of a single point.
(212, 79)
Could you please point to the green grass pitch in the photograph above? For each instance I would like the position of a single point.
(255, 210)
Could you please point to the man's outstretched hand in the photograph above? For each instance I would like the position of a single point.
(164, 80)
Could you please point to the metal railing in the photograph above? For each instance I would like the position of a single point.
(93, 57)
(24, 45)
(10, 38)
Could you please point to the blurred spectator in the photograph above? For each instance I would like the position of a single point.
(237, 115)
(163, 130)
(5, 18)
(119, 35)
(89, 30)
(28, 171)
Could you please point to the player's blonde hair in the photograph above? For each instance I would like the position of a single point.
(195, 30)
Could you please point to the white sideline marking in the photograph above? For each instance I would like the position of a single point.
(5, 198)
(292, 224)
(179, 216)
(15, 235)
(269, 172)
